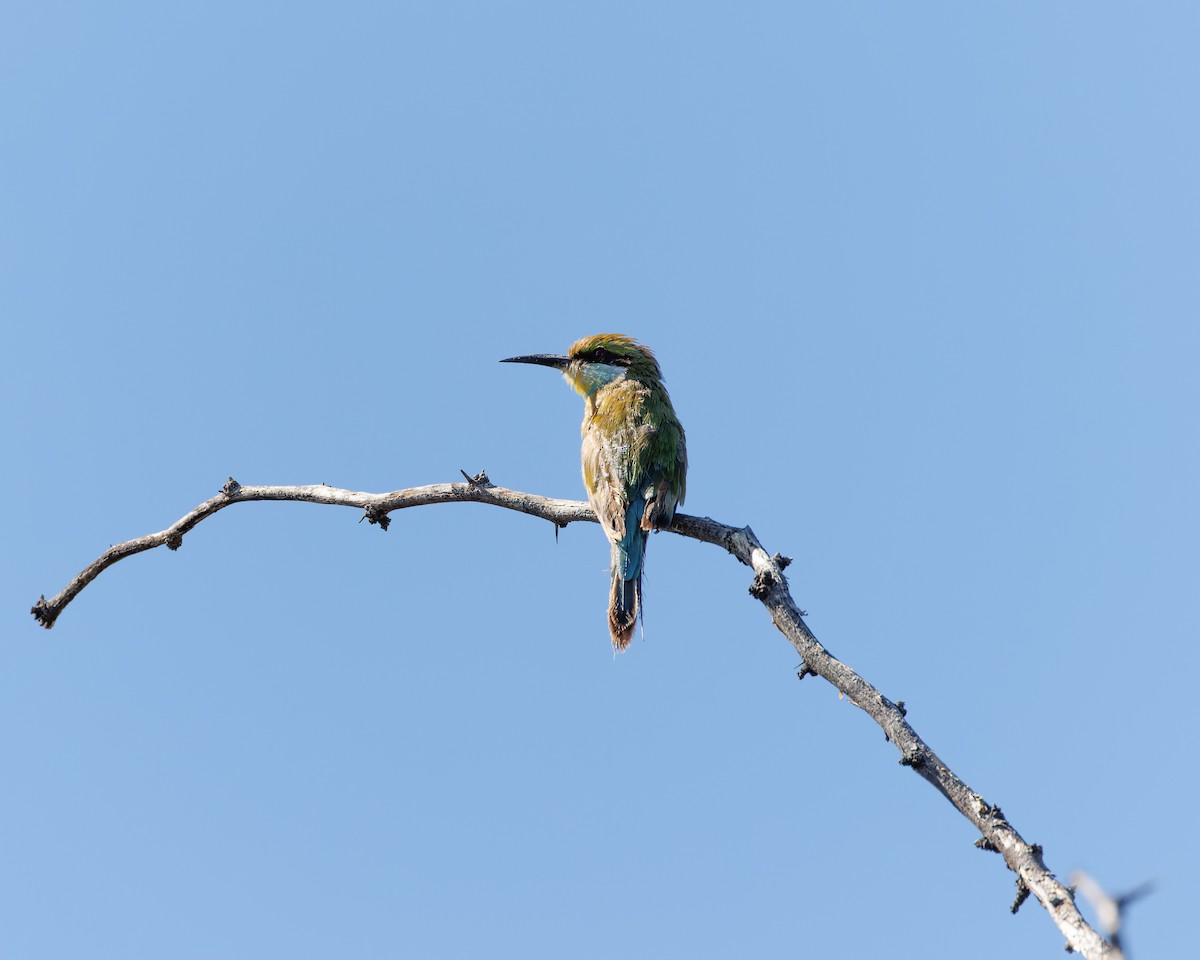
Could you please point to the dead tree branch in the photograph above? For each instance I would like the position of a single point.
(768, 586)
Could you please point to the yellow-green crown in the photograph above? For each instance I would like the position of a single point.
(616, 349)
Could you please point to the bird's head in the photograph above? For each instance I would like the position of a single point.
(595, 361)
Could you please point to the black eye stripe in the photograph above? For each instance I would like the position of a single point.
(603, 355)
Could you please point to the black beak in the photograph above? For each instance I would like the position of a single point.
(544, 359)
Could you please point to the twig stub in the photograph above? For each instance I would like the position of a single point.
(373, 515)
(1022, 895)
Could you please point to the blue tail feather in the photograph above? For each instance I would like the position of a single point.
(631, 548)
(625, 598)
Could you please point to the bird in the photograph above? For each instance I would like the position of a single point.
(634, 456)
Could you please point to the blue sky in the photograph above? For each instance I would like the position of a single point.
(923, 284)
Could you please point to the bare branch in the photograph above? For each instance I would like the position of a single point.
(768, 586)
(376, 508)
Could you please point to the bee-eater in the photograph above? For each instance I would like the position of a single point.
(634, 456)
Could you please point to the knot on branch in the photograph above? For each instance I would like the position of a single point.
(479, 481)
(175, 541)
(916, 760)
(42, 613)
(373, 515)
(764, 580)
(232, 488)
(781, 561)
(1022, 895)
(985, 843)
(804, 670)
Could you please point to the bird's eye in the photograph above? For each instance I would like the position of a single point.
(600, 355)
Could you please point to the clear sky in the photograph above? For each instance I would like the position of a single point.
(923, 282)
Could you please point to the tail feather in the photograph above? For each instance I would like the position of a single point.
(624, 603)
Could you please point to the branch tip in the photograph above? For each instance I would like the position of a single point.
(781, 561)
(42, 613)
(1136, 893)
